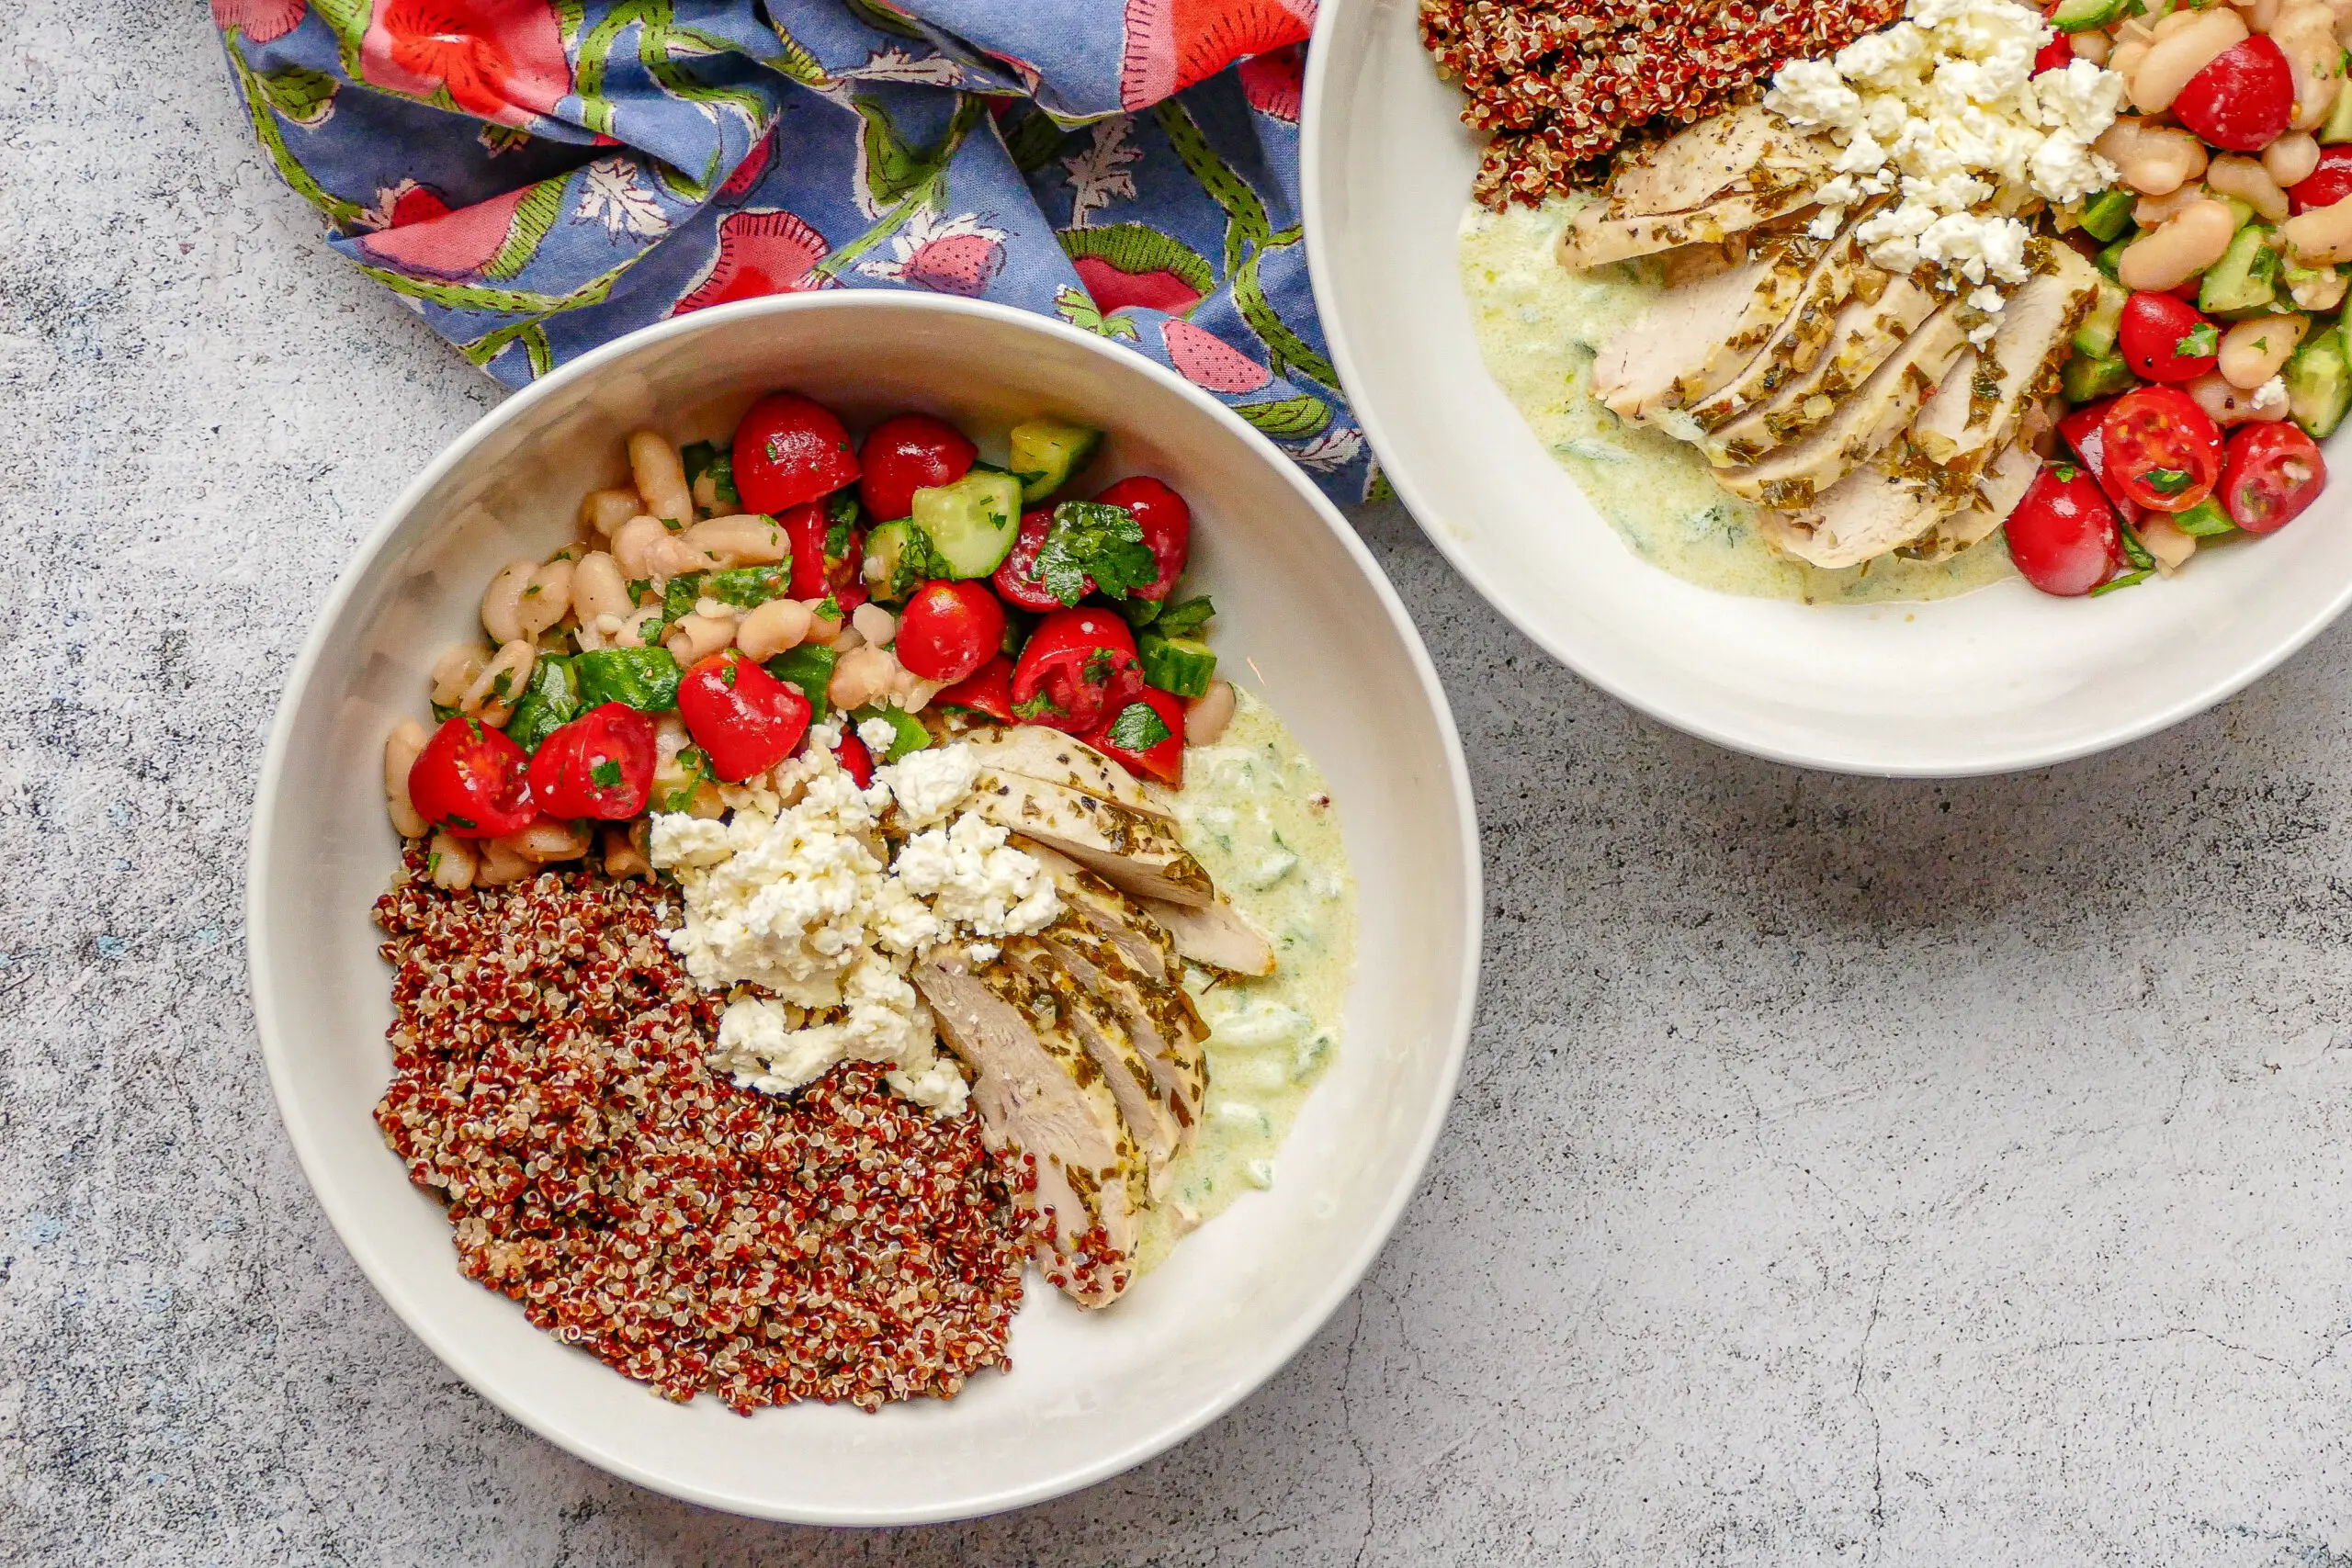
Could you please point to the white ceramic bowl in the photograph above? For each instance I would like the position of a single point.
(2002, 679)
(1305, 617)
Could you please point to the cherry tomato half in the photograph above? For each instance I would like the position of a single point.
(2325, 185)
(2160, 449)
(472, 782)
(1017, 577)
(601, 765)
(789, 450)
(1077, 666)
(949, 629)
(817, 570)
(2062, 535)
(2167, 339)
(987, 690)
(854, 759)
(906, 453)
(2273, 473)
(745, 720)
(1146, 737)
(1166, 519)
(2242, 99)
(2080, 430)
(2056, 55)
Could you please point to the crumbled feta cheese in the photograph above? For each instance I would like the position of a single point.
(928, 784)
(973, 878)
(879, 734)
(2271, 396)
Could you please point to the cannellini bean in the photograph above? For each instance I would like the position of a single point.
(875, 624)
(499, 863)
(695, 637)
(2260, 15)
(745, 538)
(862, 675)
(2166, 543)
(2255, 351)
(913, 693)
(451, 862)
(501, 681)
(2154, 160)
(598, 588)
(2129, 50)
(2168, 256)
(2228, 404)
(400, 749)
(2163, 27)
(454, 672)
(501, 601)
(773, 627)
(660, 478)
(2179, 52)
(670, 737)
(602, 512)
(547, 597)
(2321, 290)
(2321, 237)
(547, 840)
(2151, 210)
(2305, 34)
(2235, 174)
(2291, 160)
(624, 857)
(1206, 716)
(2091, 46)
(646, 547)
(632, 629)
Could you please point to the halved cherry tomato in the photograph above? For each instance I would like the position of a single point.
(1016, 578)
(1146, 737)
(2273, 473)
(1166, 519)
(949, 629)
(600, 764)
(2166, 338)
(1078, 666)
(745, 720)
(987, 690)
(2080, 430)
(472, 782)
(2160, 449)
(854, 759)
(2326, 185)
(817, 570)
(789, 450)
(2242, 99)
(2062, 535)
(906, 453)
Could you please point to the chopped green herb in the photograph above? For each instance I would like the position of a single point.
(908, 733)
(829, 608)
(675, 783)
(2167, 481)
(2202, 339)
(1088, 540)
(810, 668)
(1099, 667)
(605, 773)
(640, 589)
(1038, 707)
(745, 586)
(1138, 729)
(454, 820)
(642, 678)
(709, 457)
(550, 700)
(2126, 581)
(2134, 550)
(840, 516)
(2065, 473)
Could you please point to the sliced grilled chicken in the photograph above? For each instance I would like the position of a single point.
(1144, 943)
(1159, 1015)
(1790, 477)
(1797, 340)
(1136, 852)
(1693, 340)
(1040, 1093)
(1216, 934)
(1693, 166)
(1860, 339)
(1998, 490)
(1148, 1108)
(1037, 752)
(2033, 341)
(1759, 169)
(1900, 500)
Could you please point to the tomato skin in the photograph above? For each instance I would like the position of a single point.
(1016, 576)
(2158, 431)
(815, 573)
(1164, 762)
(2056, 55)
(2154, 336)
(949, 629)
(789, 450)
(1166, 519)
(615, 739)
(2326, 185)
(2242, 99)
(987, 690)
(2273, 473)
(854, 759)
(906, 453)
(745, 720)
(2062, 535)
(471, 782)
(1078, 666)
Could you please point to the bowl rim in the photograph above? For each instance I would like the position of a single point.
(1493, 585)
(312, 1147)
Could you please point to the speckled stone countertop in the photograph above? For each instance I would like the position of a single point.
(1844, 1171)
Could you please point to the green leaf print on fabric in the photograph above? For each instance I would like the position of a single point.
(303, 97)
(1246, 224)
(1287, 419)
(1077, 307)
(1286, 350)
(538, 212)
(1137, 248)
(263, 115)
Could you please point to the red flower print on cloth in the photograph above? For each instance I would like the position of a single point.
(499, 60)
(952, 255)
(429, 237)
(259, 20)
(747, 172)
(758, 253)
(1173, 43)
(1115, 290)
(1208, 363)
(1274, 83)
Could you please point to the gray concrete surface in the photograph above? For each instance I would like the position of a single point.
(1845, 1171)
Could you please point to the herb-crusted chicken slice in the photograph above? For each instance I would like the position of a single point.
(1137, 851)
(1144, 1104)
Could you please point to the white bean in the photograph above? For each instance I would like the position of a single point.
(2228, 404)
(2091, 46)
(646, 547)
(2235, 174)
(695, 637)
(875, 624)
(773, 627)
(547, 840)
(499, 863)
(660, 478)
(598, 588)
(2151, 210)
(454, 672)
(2291, 160)
(2167, 542)
(2154, 160)
(547, 597)
(745, 538)
(602, 512)
(2255, 351)
(2305, 34)
(1206, 716)
(2321, 237)
(2179, 52)
(501, 682)
(400, 749)
(451, 862)
(2321, 290)
(501, 601)
(624, 857)
(632, 630)
(862, 675)
(2168, 256)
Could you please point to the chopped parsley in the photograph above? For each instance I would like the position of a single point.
(2202, 340)
(1138, 729)
(2167, 481)
(1038, 707)
(605, 773)
(1088, 540)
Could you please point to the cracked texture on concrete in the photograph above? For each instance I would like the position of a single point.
(1845, 1171)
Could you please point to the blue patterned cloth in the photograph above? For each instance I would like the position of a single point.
(536, 177)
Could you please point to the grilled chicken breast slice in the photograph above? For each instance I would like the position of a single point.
(1693, 340)
(1861, 338)
(1722, 176)
(1797, 340)
(1137, 851)
(2023, 357)
(1144, 1103)
(1034, 751)
(1216, 934)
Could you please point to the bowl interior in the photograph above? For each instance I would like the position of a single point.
(1305, 619)
(2004, 678)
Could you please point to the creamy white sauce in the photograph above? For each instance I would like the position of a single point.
(1537, 326)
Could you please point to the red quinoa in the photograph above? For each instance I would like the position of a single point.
(1560, 83)
(550, 1087)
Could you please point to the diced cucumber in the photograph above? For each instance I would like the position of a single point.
(2082, 16)
(911, 735)
(2339, 125)
(2114, 252)
(2096, 336)
(641, 678)
(898, 558)
(1046, 452)
(2088, 378)
(2242, 282)
(2204, 520)
(971, 523)
(2319, 382)
(2107, 214)
(810, 668)
(1182, 665)
(2240, 210)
